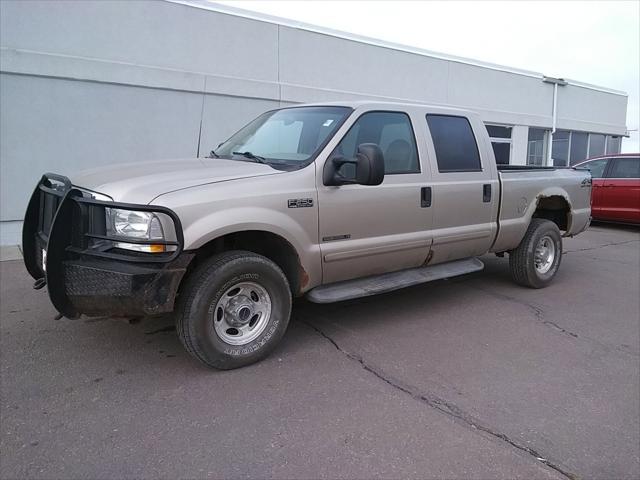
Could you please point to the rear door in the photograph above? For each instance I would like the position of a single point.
(465, 187)
(621, 190)
(597, 168)
(365, 229)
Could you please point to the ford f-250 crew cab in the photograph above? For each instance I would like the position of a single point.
(331, 201)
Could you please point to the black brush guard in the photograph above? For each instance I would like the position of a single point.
(83, 271)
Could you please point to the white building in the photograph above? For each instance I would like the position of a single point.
(99, 82)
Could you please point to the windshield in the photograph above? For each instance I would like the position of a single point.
(291, 136)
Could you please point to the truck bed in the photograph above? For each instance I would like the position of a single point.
(523, 187)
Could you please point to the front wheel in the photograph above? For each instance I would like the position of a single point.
(534, 263)
(233, 310)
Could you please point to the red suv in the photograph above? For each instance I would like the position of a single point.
(616, 187)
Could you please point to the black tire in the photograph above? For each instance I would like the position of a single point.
(522, 259)
(196, 308)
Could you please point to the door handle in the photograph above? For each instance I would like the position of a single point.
(425, 197)
(486, 193)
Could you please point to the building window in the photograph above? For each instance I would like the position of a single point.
(613, 144)
(501, 142)
(536, 146)
(579, 145)
(596, 144)
(560, 148)
(455, 144)
(498, 131)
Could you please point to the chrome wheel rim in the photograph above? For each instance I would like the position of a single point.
(242, 313)
(545, 254)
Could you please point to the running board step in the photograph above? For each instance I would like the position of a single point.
(388, 282)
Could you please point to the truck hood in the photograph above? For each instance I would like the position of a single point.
(141, 182)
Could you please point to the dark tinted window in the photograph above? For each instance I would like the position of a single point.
(454, 142)
(496, 131)
(596, 167)
(613, 144)
(579, 141)
(560, 148)
(501, 152)
(596, 144)
(625, 168)
(392, 132)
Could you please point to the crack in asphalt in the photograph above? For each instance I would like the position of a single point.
(170, 328)
(600, 246)
(540, 316)
(537, 311)
(440, 404)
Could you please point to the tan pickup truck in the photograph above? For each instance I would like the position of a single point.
(332, 201)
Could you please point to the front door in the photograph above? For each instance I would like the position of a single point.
(366, 230)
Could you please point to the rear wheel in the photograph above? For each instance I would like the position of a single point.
(233, 310)
(534, 263)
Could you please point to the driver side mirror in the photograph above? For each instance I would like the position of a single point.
(368, 163)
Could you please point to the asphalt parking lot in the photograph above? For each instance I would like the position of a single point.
(472, 377)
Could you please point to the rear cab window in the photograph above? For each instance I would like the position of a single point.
(455, 144)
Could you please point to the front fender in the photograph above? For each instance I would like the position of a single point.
(231, 220)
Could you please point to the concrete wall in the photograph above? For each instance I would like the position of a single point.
(98, 82)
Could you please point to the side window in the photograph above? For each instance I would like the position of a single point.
(392, 132)
(596, 167)
(455, 144)
(625, 168)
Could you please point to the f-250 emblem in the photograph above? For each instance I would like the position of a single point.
(300, 202)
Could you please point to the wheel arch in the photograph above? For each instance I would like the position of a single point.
(552, 203)
(271, 245)
(554, 206)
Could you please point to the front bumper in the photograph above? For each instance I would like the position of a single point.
(83, 271)
(103, 287)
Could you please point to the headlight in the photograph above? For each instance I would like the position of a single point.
(140, 226)
(129, 223)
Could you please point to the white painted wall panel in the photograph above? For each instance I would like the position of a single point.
(519, 138)
(315, 60)
(145, 32)
(583, 109)
(500, 92)
(64, 126)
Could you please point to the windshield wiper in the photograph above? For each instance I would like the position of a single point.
(213, 154)
(253, 157)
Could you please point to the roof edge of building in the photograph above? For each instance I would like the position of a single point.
(262, 17)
